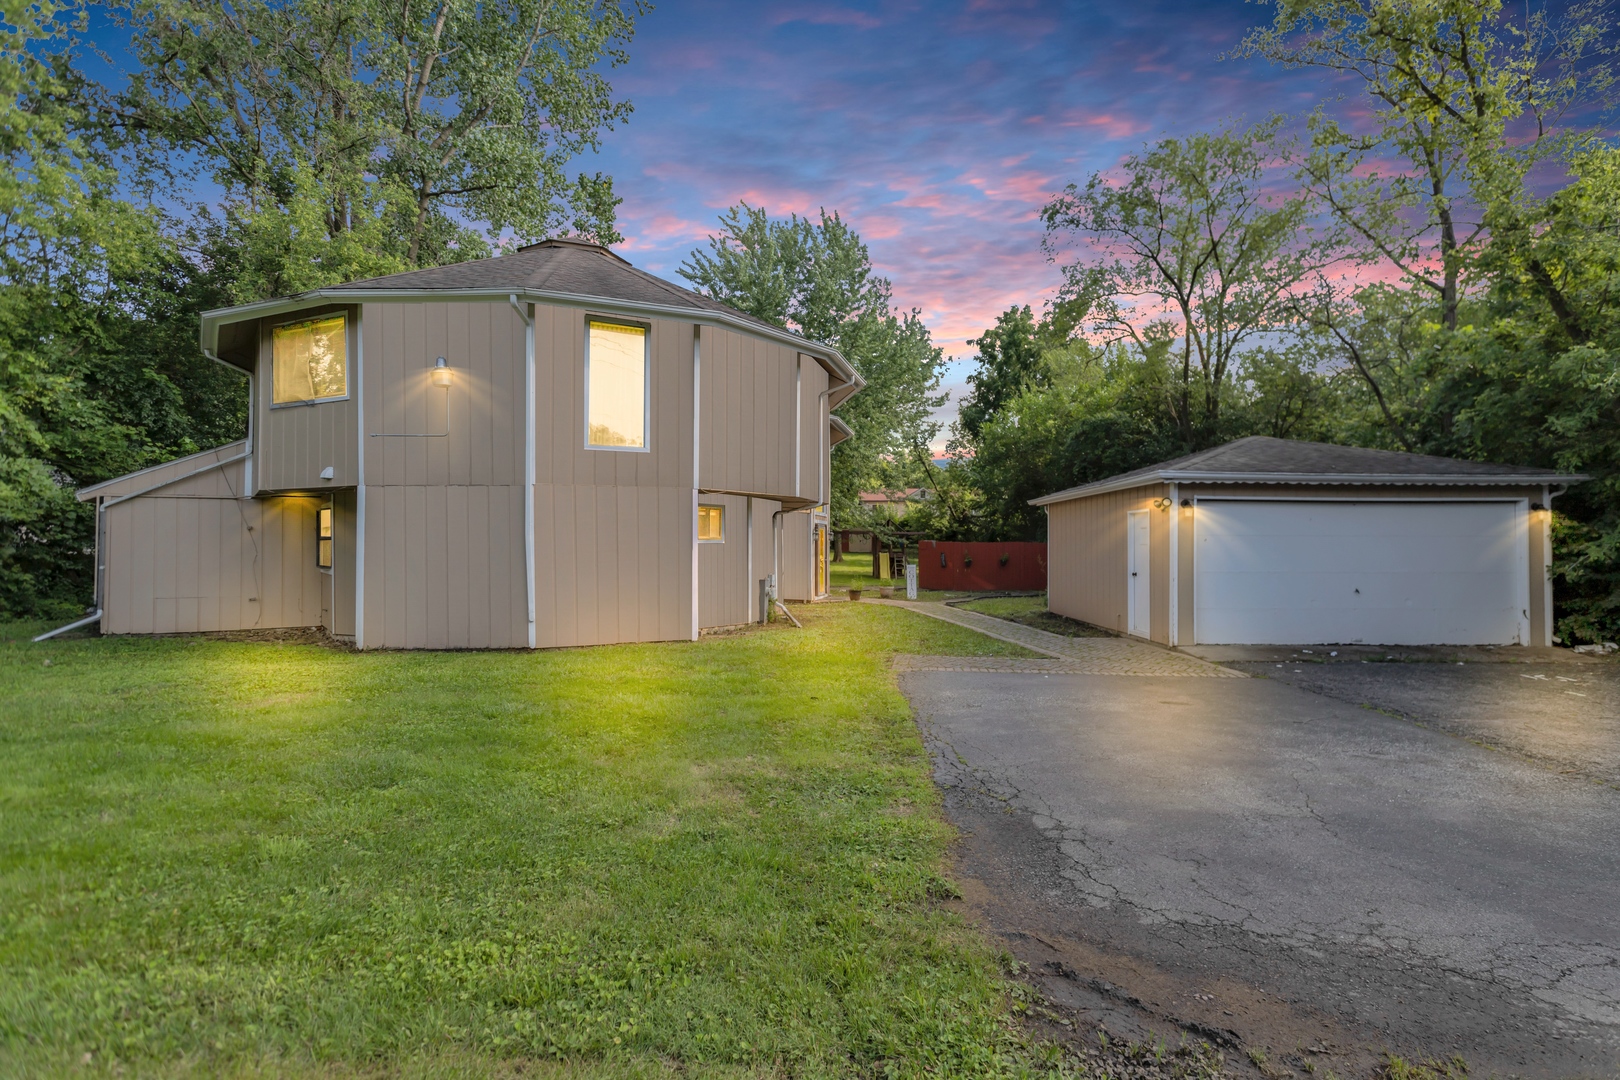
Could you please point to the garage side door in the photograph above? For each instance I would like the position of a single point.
(1297, 572)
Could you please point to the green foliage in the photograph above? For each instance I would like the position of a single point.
(229, 858)
(1009, 360)
(67, 244)
(1446, 82)
(377, 129)
(350, 139)
(816, 278)
(1195, 257)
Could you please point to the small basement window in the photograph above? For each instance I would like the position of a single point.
(323, 538)
(309, 361)
(712, 524)
(616, 386)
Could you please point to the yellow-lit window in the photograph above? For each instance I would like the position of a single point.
(616, 386)
(712, 523)
(323, 538)
(309, 361)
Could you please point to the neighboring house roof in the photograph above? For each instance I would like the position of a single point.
(908, 495)
(558, 270)
(1260, 459)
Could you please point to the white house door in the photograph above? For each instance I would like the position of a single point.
(1297, 572)
(1138, 587)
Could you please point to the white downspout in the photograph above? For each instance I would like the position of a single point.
(697, 442)
(798, 422)
(359, 485)
(528, 458)
(252, 378)
(1175, 564)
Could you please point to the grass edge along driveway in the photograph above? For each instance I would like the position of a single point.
(721, 857)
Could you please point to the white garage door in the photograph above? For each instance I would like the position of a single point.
(1295, 572)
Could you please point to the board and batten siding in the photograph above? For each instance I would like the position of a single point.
(613, 528)
(747, 406)
(1088, 563)
(293, 444)
(764, 551)
(183, 560)
(443, 558)
(798, 580)
(723, 587)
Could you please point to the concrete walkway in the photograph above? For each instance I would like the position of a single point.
(1069, 656)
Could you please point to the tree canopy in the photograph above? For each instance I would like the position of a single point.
(816, 279)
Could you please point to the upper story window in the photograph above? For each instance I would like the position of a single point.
(616, 386)
(309, 361)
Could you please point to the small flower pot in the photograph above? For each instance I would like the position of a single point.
(886, 592)
(854, 594)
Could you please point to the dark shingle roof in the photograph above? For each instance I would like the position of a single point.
(573, 267)
(1260, 459)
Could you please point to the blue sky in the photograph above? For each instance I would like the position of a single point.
(937, 129)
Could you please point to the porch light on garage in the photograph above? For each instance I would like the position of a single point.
(441, 373)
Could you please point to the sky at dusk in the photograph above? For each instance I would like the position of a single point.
(937, 129)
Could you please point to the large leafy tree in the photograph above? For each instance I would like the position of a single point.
(1008, 360)
(360, 136)
(65, 240)
(815, 277)
(1195, 257)
(1464, 104)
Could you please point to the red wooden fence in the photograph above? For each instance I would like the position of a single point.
(976, 567)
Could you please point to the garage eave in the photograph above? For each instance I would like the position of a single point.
(1181, 476)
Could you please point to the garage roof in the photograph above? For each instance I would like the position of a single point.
(1260, 459)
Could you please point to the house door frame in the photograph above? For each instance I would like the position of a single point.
(1138, 584)
(820, 534)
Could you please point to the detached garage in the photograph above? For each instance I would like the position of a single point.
(1272, 542)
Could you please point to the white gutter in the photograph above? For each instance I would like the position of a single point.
(252, 377)
(1124, 483)
(528, 457)
(213, 320)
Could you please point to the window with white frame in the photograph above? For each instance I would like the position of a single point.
(711, 524)
(309, 361)
(616, 386)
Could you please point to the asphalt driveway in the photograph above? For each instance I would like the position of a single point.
(1244, 841)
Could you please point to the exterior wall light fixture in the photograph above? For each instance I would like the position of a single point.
(1186, 503)
(441, 373)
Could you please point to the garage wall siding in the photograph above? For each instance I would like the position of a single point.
(1087, 561)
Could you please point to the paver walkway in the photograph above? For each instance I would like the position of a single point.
(1069, 656)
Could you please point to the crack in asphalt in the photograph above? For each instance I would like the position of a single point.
(1563, 990)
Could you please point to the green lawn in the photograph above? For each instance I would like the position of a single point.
(1031, 611)
(856, 571)
(696, 859)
